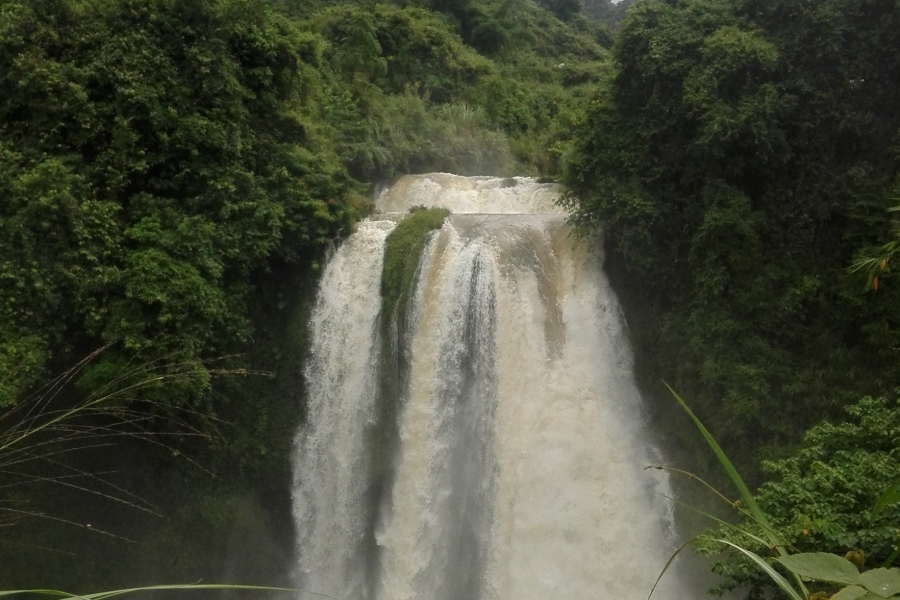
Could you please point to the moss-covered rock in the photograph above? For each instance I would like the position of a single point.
(401, 256)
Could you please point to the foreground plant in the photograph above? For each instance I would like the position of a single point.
(821, 503)
(159, 588)
(875, 263)
(41, 435)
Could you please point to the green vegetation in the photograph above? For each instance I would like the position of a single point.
(211, 506)
(172, 173)
(821, 498)
(399, 97)
(742, 160)
(741, 157)
(402, 252)
(164, 184)
(139, 590)
(158, 158)
(155, 155)
(407, 94)
(765, 534)
(826, 500)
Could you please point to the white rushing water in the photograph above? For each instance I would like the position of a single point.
(330, 491)
(518, 469)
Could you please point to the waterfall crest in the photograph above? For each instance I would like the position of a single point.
(518, 468)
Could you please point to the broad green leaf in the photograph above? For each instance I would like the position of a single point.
(774, 575)
(822, 566)
(853, 592)
(884, 582)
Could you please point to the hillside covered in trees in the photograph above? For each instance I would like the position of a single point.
(160, 155)
(173, 173)
(741, 160)
(743, 163)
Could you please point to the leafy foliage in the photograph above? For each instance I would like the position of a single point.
(171, 173)
(741, 156)
(820, 497)
(606, 12)
(155, 154)
(406, 94)
(876, 264)
(393, 48)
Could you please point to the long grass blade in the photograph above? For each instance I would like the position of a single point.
(774, 534)
(888, 497)
(772, 573)
(38, 515)
(690, 475)
(890, 559)
(668, 564)
(726, 524)
(54, 593)
(160, 588)
(197, 586)
(748, 499)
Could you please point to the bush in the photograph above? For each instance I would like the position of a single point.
(822, 495)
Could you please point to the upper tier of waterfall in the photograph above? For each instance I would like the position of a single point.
(478, 195)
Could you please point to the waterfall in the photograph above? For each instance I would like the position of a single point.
(329, 497)
(518, 469)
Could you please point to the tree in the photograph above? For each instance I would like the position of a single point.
(565, 10)
(737, 161)
(156, 155)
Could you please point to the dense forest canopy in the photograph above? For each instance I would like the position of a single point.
(158, 156)
(743, 155)
(743, 163)
(155, 155)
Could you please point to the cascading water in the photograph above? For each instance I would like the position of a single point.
(517, 471)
